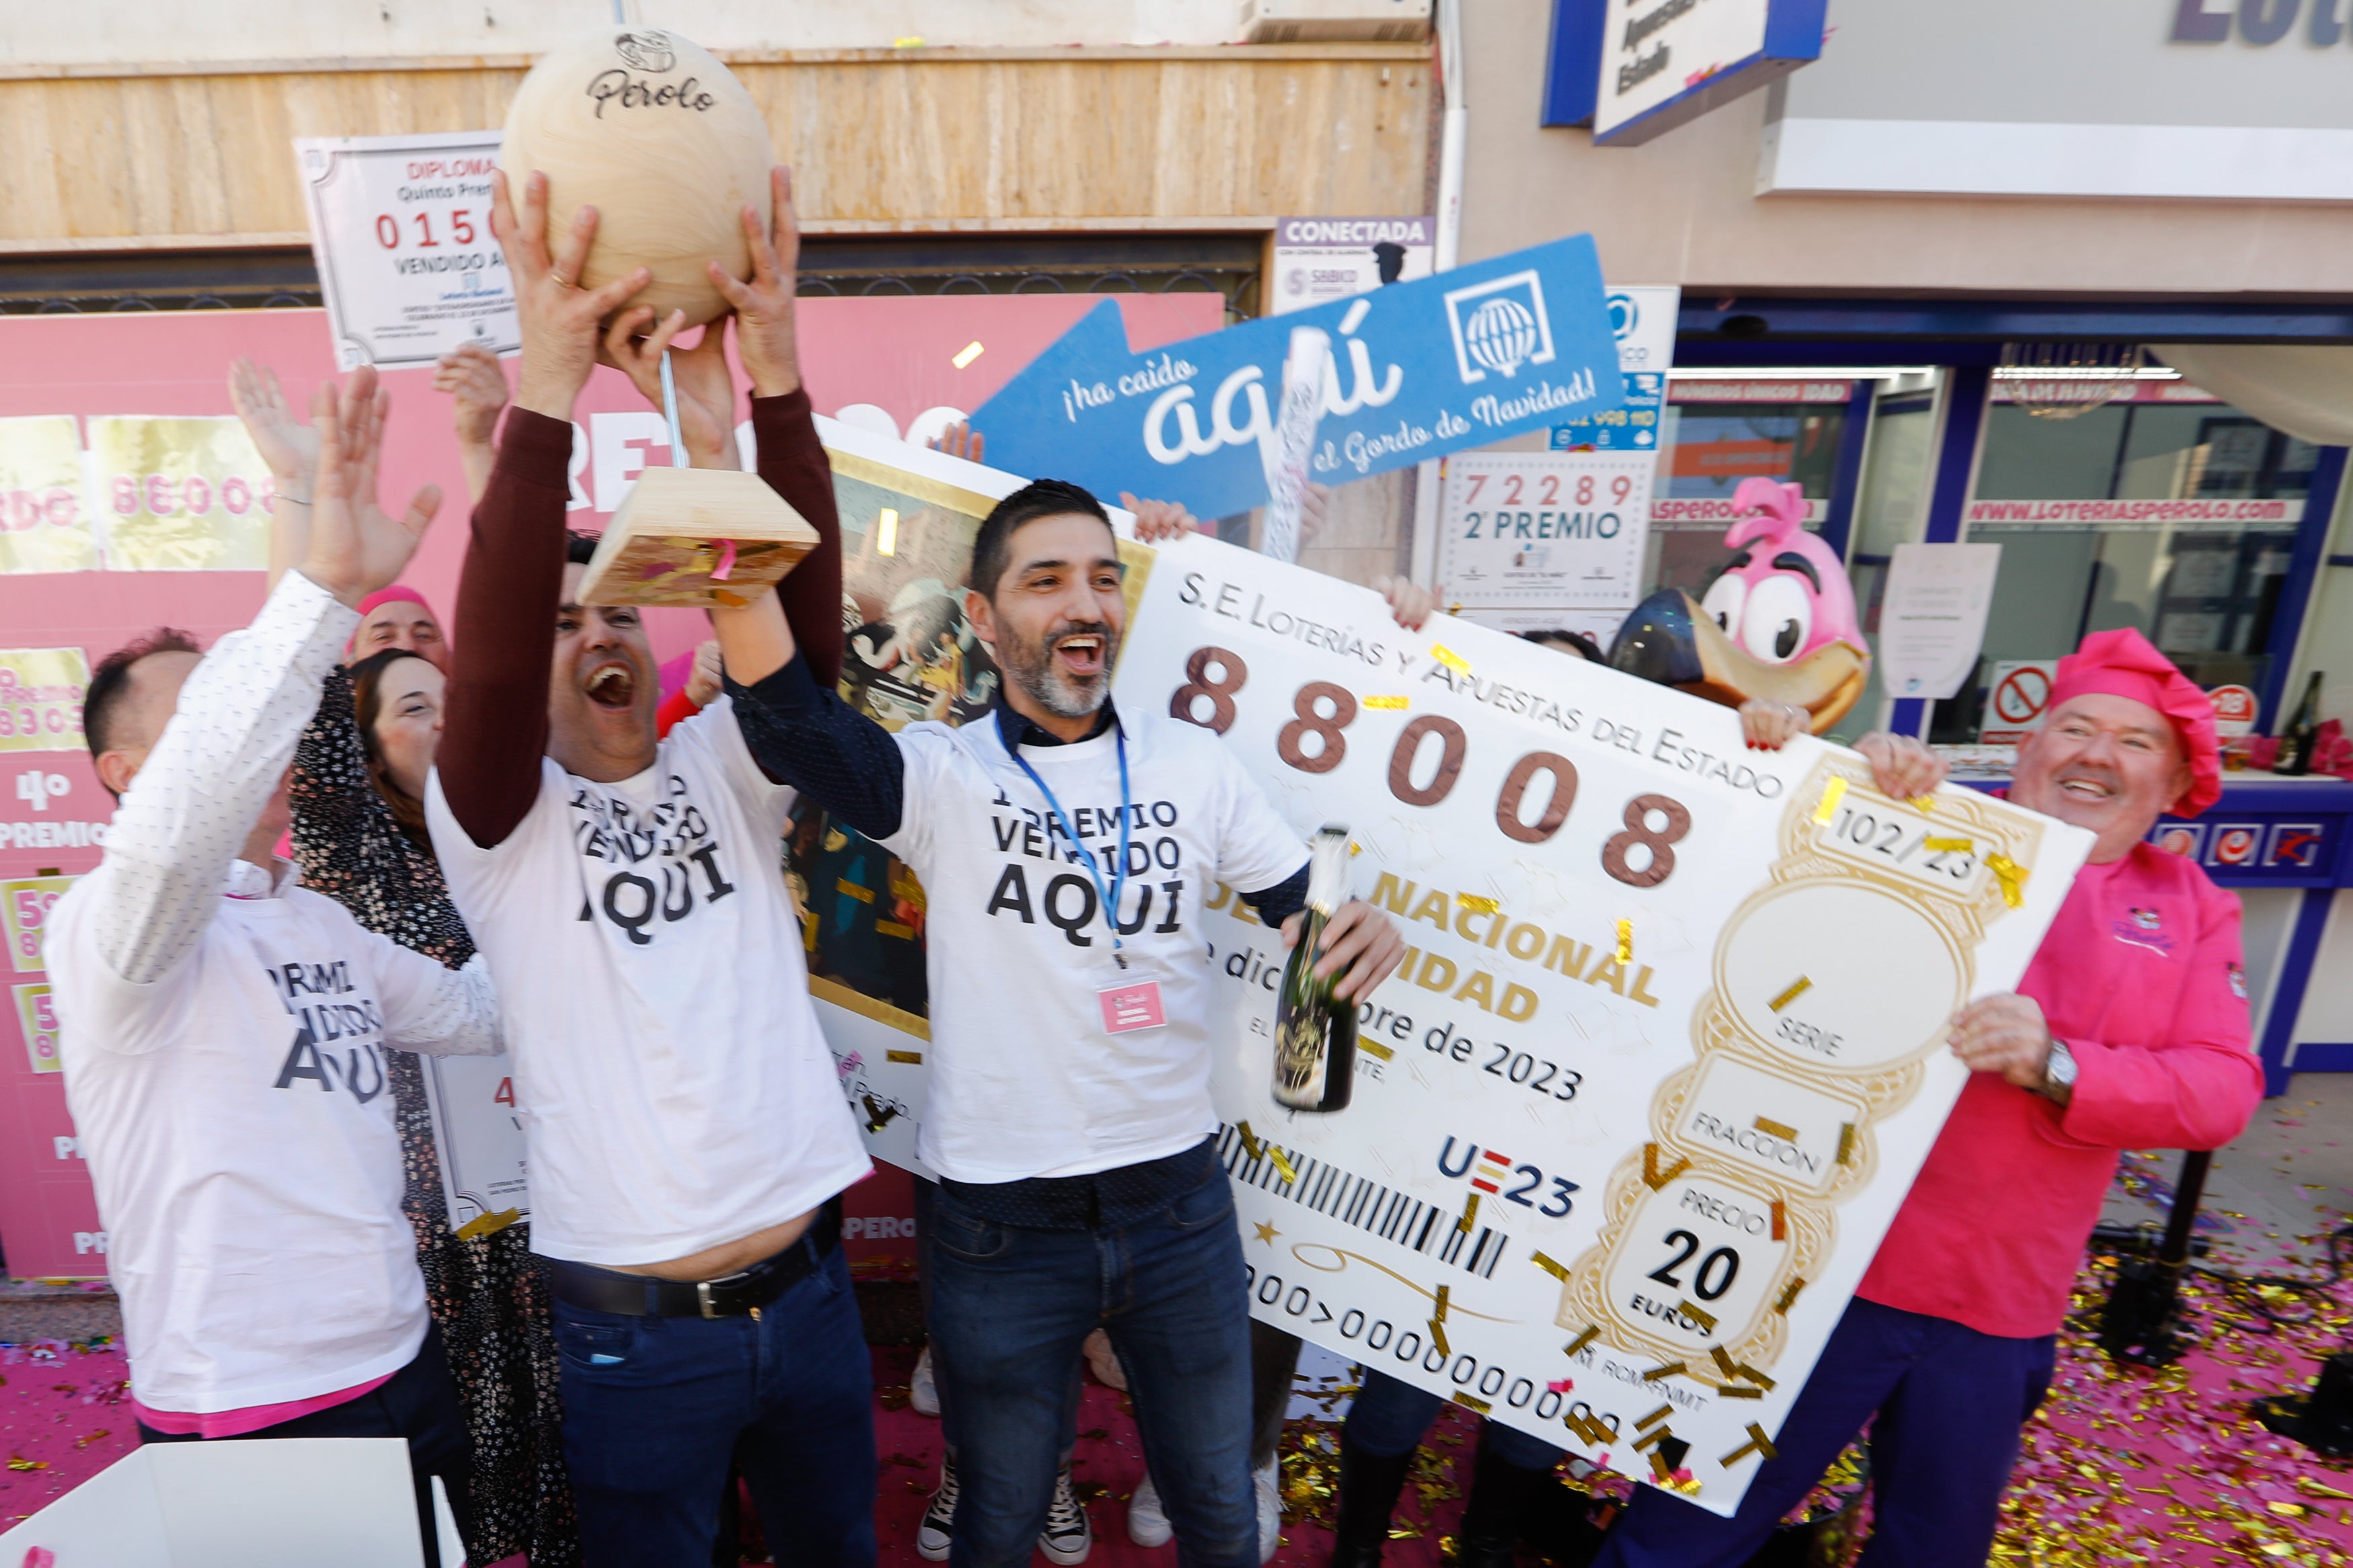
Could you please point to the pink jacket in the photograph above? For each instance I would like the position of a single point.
(2141, 976)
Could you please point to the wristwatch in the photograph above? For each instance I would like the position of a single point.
(2059, 1069)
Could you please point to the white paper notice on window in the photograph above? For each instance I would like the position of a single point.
(1932, 618)
(401, 228)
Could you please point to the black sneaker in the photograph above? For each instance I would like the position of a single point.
(938, 1532)
(1066, 1539)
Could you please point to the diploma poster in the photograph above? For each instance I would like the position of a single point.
(1666, 1052)
(40, 699)
(43, 525)
(1554, 530)
(181, 493)
(479, 1134)
(401, 228)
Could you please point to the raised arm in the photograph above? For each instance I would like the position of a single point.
(512, 580)
(477, 383)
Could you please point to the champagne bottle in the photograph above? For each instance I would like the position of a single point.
(2302, 732)
(1315, 1032)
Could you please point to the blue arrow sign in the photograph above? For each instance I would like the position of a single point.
(1418, 369)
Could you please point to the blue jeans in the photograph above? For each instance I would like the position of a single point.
(1388, 1417)
(1949, 1401)
(655, 1408)
(1010, 1308)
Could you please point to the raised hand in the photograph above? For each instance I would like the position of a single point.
(763, 306)
(473, 375)
(1410, 601)
(559, 320)
(289, 447)
(1158, 521)
(354, 547)
(960, 440)
(705, 387)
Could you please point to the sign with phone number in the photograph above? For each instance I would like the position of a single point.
(1668, 1045)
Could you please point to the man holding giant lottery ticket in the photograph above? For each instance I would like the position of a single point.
(1065, 849)
(2128, 1031)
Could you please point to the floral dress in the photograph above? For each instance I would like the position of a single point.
(487, 1294)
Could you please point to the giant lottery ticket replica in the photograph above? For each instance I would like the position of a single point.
(1667, 1051)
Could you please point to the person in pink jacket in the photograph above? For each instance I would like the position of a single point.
(2129, 1031)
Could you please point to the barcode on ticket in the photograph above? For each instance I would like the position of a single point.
(1379, 1210)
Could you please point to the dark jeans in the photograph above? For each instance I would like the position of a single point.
(655, 1408)
(1949, 1401)
(1388, 1417)
(417, 1403)
(1011, 1307)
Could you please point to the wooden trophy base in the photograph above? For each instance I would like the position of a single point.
(703, 538)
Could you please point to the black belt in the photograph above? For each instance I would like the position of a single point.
(747, 1290)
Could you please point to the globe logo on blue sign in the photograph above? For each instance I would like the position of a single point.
(1502, 335)
(1498, 326)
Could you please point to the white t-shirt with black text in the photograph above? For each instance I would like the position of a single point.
(675, 1091)
(1025, 1080)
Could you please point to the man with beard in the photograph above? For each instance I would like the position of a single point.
(1065, 848)
(2129, 1030)
(687, 1136)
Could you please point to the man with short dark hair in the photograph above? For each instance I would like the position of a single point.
(226, 1029)
(1064, 851)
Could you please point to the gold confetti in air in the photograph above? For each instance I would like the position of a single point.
(1789, 1293)
(1832, 793)
(914, 41)
(1699, 1315)
(1470, 1212)
(1449, 658)
(1846, 1143)
(1659, 1374)
(1655, 1417)
(2012, 876)
(1477, 905)
(1592, 1332)
(1625, 942)
(1772, 1129)
(1949, 846)
(1556, 1270)
(1654, 1177)
(1384, 702)
(1438, 1338)
(1472, 1402)
(912, 1058)
(488, 1223)
(1781, 1220)
(1758, 1444)
(967, 354)
(1796, 989)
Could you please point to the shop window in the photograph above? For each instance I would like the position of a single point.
(2173, 514)
(1710, 439)
(1888, 508)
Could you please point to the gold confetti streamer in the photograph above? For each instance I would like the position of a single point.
(1753, 1376)
(1551, 1267)
(1470, 1212)
(2012, 876)
(1655, 1417)
(1375, 1048)
(1449, 658)
(1699, 1315)
(1659, 1467)
(1736, 1391)
(1785, 1133)
(1924, 803)
(1249, 1142)
(1654, 1177)
(1789, 1295)
(1477, 905)
(1798, 988)
(1438, 1337)
(1659, 1373)
(1758, 1444)
(1780, 1221)
(1438, 1311)
(1592, 1332)
(488, 1223)
(1651, 1438)
(1832, 793)
(1724, 1363)
(1282, 1164)
(1625, 942)
(1385, 701)
(1846, 1142)
(912, 1058)
(1951, 845)
(1472, 1402)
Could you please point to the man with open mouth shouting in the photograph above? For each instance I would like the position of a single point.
(1064, 847)
(686, 1136)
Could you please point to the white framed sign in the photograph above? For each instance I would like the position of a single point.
(1556, 530)
(1318, 260)
(478, 1132)
(1932, 617)
(401, 228)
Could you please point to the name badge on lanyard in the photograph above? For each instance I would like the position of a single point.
(1130, 1001)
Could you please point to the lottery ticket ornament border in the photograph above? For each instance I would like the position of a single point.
(1731, 1355)
(655, 133)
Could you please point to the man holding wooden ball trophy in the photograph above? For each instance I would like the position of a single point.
(686, 1136)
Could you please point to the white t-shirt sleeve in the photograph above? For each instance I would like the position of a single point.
(927, 758)
(1256, 849)
(715, 733)
(433, 1009)
(470, 862)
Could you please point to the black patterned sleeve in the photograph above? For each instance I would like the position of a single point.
(330, 789)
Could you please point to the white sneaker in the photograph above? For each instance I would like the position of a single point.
(938, 1532)
(1146, 1525)
(1268, 1484)
(1067, 1538)
(923, 1390)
